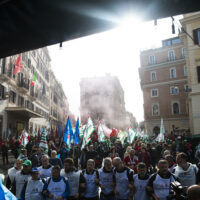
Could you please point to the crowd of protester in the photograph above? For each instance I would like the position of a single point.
(142, 170)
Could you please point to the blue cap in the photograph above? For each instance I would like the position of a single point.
(34, 169)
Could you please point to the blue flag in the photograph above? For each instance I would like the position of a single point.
(68, 133)
(76, 134)
(5, 194)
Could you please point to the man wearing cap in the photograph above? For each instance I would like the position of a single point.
(21, 177)
(32, 189)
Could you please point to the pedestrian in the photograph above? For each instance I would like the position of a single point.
(75, 178)
(140, 182)
(123, 179)
(20, 178)
(158, 186)
(46, 168)
(54, 160)
(56, 186)
(106, 181)
(187, 173)
(4, 150)
(32, 189)
(91, 176)
(12, 173)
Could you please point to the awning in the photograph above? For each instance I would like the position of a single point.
(23, 111)
(31, 24)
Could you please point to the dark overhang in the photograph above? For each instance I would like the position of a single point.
(31, 24)
(23, 112)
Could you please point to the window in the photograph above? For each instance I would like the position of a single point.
(176, 41)
(151, 60)
(153, 76)
(12, 97)
(155, 109)
(183, 52)
(1, 91)
(198, 74)
(154, 93)
(175, 108)
(174, 90)
(185, 71)
(196, 36)
(186, 88)
(173, 73)
(171, 56)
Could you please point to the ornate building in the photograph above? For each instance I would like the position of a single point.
(102, 98)
(163, 75)
(191, 39)
(22, 105)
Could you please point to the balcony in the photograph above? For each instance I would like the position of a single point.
(23, 85)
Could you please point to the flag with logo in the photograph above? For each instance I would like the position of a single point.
(18, 65)
(24, 138)
(122, 136)
(131, 135)
(43, 140)
(101, 134)
(88, 132)
(5, 194)
(76, 134)
(68, 132)
(81, 130)
(161, 136)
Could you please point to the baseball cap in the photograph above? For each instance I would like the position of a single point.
(34, 169)
(27, 163)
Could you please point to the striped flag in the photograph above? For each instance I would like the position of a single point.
(24, 138)
(131, 135)
(101, 134)
(122, 136)
(43, 140)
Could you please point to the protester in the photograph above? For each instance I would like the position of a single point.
(46, 168)
(54, 160)
(131, 160)
(123, 179)
(140, 181)
(106, 181)
(194, 192)
(20, 178)
(171, 162)
(187, 173)
(158, 186)
(75, 178)
(32, 189)
(56, 187)
(64, 152)
(91, 176)
(91, 154)
(4, 149)
(12, 172)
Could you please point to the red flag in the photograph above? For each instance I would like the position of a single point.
(18, 65)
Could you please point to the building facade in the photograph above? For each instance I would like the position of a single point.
(22, 104)
(163, 75)
(102, 98)
(191, 39)
(59, 106)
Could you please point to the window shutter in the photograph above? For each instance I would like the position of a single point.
(198, 74)
(195, 36)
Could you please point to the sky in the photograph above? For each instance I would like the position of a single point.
(115, 52)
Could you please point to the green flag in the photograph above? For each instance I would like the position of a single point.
(101, 134)
(81, 130)
(122, 136)
(88, 132)
(131, 135)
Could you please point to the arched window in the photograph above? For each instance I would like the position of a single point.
(176, 109)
